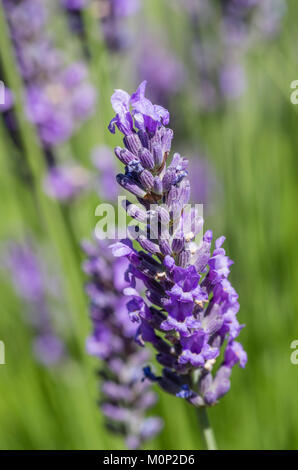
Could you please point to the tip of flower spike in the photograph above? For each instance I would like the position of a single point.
(136, 110)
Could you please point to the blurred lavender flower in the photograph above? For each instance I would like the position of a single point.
(102, 158)
(192, 317)
(125, 395)
(161, 68)
(203, 182)
(7, 102)
(75, 4)
(110, 13)
(66, 182)
(59, 97)
(31, 285)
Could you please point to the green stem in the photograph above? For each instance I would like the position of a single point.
(206, 429)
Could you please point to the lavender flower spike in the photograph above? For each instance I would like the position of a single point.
(190, 311)
(126, 396)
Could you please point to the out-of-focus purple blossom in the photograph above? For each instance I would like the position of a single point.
(125, 7)
(25, 271)
(203, 181)
(232, 81)
(66, 182)
(190, 312)
(125, 395)
(111, 14)
(58, 107)
(49, 349)
(59, 97)
(31, 284)
(102, 158)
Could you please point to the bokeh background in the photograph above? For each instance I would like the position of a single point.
(227, 86)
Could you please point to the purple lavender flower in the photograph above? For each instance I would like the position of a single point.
(190, 311)
(31, 285)
(59, 97)
(7, 110)
(125, 395)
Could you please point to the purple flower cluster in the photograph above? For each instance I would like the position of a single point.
(125, 395)
(59, 96)
(110, 13)
(31, 285)
(190, 316)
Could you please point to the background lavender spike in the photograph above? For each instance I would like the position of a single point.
(125, 395)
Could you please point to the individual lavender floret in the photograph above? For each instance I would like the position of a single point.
(190, 312)
(31, 286)
(125, 396)
(59, 97)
